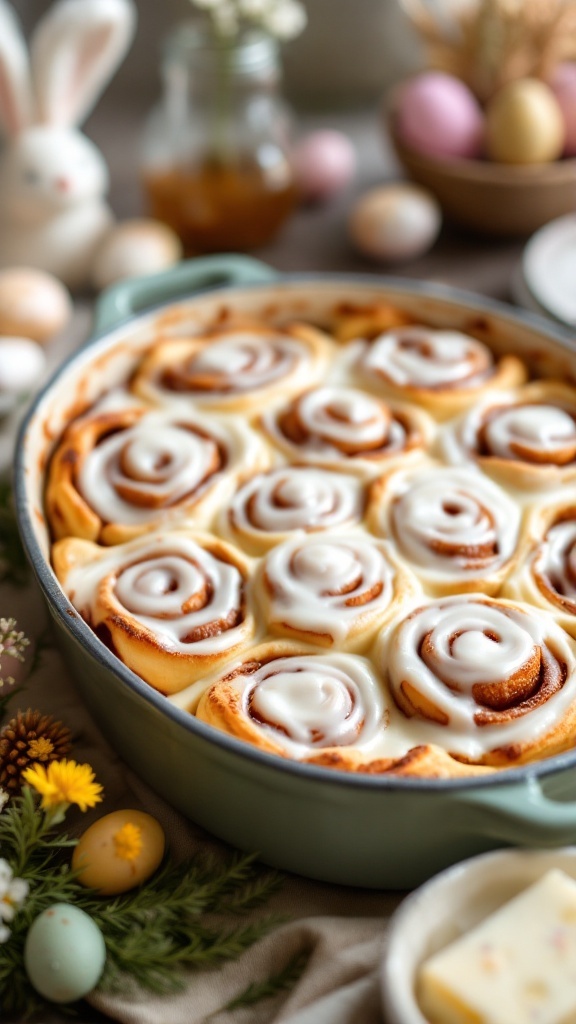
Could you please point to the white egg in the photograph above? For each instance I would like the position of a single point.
(134, 248)
(22, 363)
(395, 223)
(33, 304)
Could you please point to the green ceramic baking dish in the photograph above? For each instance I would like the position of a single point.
(353, 829)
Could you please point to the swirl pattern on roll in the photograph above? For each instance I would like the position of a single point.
(118, 472)
(554, 565)
(231, 365)
(299, 703)
(487, 677)
(325, 586)
(332, 425)
(454, 522)
(419, 357)
(172, 604)
(541, 434)
(293, 499)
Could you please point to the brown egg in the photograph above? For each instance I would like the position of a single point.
(134, 248)
(395, 223)
(119, 851)
(33, 304)
(524, 124)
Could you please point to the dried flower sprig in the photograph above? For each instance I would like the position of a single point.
(13, 644)
(283, 19)
(488, 43)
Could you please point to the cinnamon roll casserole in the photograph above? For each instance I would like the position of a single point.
(353, 545)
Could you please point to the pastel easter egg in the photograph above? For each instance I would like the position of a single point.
(563, 85)
(395, 223)
(524, 124)
(119, 851)
(33, 304)
(436, 114)
(135, 248)
(64, 954)
(324, 164)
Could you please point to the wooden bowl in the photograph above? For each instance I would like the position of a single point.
(491, 198)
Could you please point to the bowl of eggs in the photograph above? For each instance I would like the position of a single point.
(505, 168)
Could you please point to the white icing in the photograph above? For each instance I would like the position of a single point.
(164, 458)
(457, 507)
(542, 429)
(425, 358)
(555, 559)
(241, 362)
(169, 585)
(463, 655)
(296, 498)
(316, 583)
(309, 702)
(342, 423)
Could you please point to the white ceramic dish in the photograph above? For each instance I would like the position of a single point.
(549, 268)
(450, 904)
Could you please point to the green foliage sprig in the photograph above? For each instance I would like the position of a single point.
(153, 934)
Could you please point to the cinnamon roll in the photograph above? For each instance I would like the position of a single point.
(345, 428)
(361, 321)
(332, 589)
(546, 574)
(293, 701)
(443, 371)
(234, 368)
(172, 606)
(525, 439)
(458, 530)
(492, 682)
(118, 473)
(272, 506)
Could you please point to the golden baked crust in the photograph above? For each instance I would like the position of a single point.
(270, 588)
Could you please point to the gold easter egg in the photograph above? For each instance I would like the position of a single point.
(119, 851)
(524, 124)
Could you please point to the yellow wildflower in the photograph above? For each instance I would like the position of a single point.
(64, 782)
(128, 841)
(40, 749)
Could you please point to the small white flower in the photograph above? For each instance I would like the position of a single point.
(13, 892)
(254, 8)
(226, 18)
(286, 20)
(208, 5)
(3, 798)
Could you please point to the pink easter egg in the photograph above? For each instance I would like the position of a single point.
(438, 115)
(324, 164)
(563, 85)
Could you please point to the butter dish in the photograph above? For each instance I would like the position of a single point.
(449, 906)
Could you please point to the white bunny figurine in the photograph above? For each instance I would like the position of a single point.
(53, 180)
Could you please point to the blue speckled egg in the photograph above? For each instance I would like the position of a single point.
(64, 953)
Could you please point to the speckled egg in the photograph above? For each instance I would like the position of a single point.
(563, 85)
(64, 954)
(437, 115)
(33, 304)
(134, 248)
(524, 124)
(395, 223)
(119, 851)
(324, 164)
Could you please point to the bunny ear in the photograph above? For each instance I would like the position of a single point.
(76, 49)
(15, 88)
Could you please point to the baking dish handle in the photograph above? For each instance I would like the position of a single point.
(522, 816)
(125, 299)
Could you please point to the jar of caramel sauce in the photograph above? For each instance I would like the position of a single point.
(215, 157)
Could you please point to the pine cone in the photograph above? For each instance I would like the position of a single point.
(27, 739)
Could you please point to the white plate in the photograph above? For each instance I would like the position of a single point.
(449, 905)
(549, 268)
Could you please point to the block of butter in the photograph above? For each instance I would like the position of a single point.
(518, 966)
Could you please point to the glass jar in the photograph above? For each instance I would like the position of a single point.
(215, 159)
